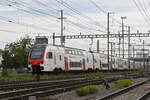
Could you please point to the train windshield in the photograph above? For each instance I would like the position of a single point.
(37, 52)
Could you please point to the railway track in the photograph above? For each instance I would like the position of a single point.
(22, 91)
(146, 96)
(24, 94)
(5, 86)
(49, 79)
(36, 84)
(45, 90)
(70, 77)
(120, 92)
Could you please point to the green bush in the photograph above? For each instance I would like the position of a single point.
(93, 89)
(123, 83)
(113, 85)
(83, 91)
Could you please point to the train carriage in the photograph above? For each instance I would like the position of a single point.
(104, 62)
(47, 57)
(57, 58)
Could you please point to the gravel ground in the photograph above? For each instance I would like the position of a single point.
(134, 94)
(71, 95)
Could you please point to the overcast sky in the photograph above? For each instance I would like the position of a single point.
(20, 17)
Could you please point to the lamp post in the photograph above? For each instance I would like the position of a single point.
(123, 32)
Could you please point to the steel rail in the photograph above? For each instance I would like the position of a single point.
(145, 96)
(122, 91)
(34, 80)
(13, 94)
(36, 84)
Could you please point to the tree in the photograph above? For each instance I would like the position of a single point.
(15, 54)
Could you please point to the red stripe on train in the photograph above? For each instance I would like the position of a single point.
(84, 68)
(66, 64)
(101, 67)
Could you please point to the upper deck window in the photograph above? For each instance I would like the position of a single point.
(74, 52)
(49, 55)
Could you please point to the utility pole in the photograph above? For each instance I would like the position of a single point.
(111, 52)
(133, 56)
(143, 54)
(98, 46)
(53, 38)
(129, 47)
(119, 43)
(123, 33)
(62, 38)
(108, 32)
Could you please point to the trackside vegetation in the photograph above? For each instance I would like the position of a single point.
(86, 90)
(122, 83)
(12, 75)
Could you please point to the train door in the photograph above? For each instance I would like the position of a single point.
(49, 61)
(84, 68)
(66, 64)
(60, 59)
(96, 62)
(101, 68)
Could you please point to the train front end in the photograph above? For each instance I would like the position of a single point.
(36, 58)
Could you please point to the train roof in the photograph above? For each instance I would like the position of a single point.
(62, 46)
(65, 47)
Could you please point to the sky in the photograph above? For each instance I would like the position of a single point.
(41, 17)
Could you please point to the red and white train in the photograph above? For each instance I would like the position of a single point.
(47, 57)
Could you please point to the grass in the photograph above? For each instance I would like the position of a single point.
(122, 83)
(12, 75)
(86, 90)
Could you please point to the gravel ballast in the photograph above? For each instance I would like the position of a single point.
(71, 95)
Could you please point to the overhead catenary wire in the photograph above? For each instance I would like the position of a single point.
(73, 23)
(140, 10)
(34, 14)
(81, 14)
(100, 9)
(144, 10)
(144, 5)
(23, 24)
(46, 14)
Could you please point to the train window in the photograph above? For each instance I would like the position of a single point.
(78, 52)
(95, 60)
(37, 52)
(87, 60)
(67, 51)
(82, 54)
(75, 53)
(70, 52)
(105, 65)
(75, 64)
(60, 57)
(49, 55)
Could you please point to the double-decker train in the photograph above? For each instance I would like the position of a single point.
(47, 57)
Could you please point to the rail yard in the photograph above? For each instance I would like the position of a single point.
(56, 89)
(74, 50)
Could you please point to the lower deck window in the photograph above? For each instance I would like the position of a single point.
(75, 64)
(105, 65)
